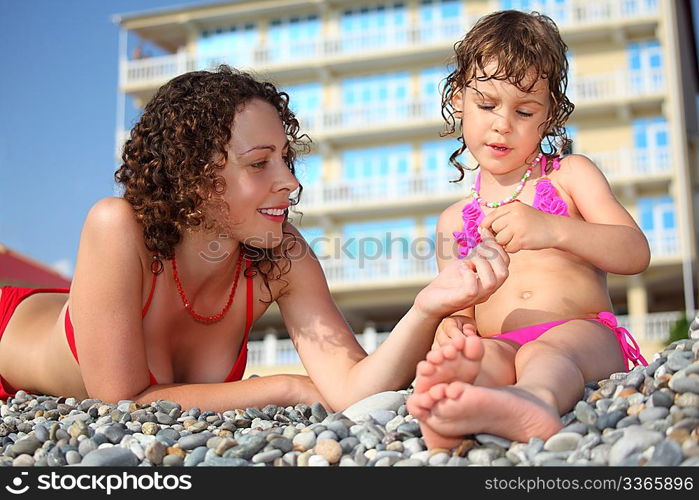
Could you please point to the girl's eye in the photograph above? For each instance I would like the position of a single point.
(487, 107)
(524, 114)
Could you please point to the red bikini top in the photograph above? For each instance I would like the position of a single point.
(546, 199)
(238, 369)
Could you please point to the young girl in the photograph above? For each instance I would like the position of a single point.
(563, 228)
(170, 278)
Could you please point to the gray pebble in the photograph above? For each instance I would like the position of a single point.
(666, 453)
(110, 457)
(192, 441)
(491, 439)
(266, 456)
(635, 439)
(563, 441)
(196, 456)
(173, 461)
(653, 413)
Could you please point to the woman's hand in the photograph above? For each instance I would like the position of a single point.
(454, 326)
(467, 282)
(517, 226)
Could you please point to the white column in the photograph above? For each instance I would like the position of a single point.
(270, 347)
(369, 338)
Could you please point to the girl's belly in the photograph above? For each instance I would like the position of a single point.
(542, 286)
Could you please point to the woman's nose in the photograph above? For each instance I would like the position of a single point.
(286, 179)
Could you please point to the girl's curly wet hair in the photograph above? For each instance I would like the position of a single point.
(172, 158)
(522, 45)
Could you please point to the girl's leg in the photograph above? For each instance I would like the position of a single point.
(556, 366)
(550, 376)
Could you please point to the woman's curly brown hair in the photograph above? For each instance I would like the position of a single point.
(519, 43)
(172, 158)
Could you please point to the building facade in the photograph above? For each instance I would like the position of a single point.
(364, 78)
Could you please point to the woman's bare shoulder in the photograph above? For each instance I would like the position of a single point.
(113, 223)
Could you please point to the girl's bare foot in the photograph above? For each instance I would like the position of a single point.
(420, 405)
(460, 360)
(460, 408)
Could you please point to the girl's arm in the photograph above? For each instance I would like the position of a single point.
(608, 237)
(105, 305)
(330, 353)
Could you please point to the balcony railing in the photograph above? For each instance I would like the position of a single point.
(584, 89)
(355, 192)
(663, 243)
(381, 269)
(627, 163)
(575, 13)
(272, 351)
(155, 70)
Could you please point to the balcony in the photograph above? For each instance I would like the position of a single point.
(272, 351)
(378, 192)
(663, 244)
(154, 71)
(585, 13)
(372, 117)
(630, 164)
(420, 266)
(619, 85)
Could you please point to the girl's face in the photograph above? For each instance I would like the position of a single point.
(257, 175)
(502, 126)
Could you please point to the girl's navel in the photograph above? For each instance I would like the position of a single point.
(526, 294)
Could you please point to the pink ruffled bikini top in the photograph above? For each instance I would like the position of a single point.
(546, 199)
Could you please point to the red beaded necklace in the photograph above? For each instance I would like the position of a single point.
(188, 306)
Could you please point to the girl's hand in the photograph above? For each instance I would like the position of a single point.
(518, 226)
(454, 326)
(464, 283)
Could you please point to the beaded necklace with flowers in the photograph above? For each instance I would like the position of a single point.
(494, 204)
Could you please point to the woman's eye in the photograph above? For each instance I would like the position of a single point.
(259, 164)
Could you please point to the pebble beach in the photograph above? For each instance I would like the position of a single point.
(646, 417)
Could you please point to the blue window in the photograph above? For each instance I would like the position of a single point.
(309, 169)
(293, 38)
(556, 9)
(304, 99)
(645, 65)
(435, 154)
(650, 133)
(367, 28)
(233, 45)
(375, 89)
(379, 239)
(657, 214)
(315, 237)
(440, 19)
(431, 227)
(385, 161)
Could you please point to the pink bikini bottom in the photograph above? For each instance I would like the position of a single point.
(628, 345)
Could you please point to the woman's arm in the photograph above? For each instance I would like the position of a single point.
(333, 358)
(608, 237)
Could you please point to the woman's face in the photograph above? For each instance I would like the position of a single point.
(257, 175)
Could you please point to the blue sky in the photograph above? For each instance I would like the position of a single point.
(58, 98)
